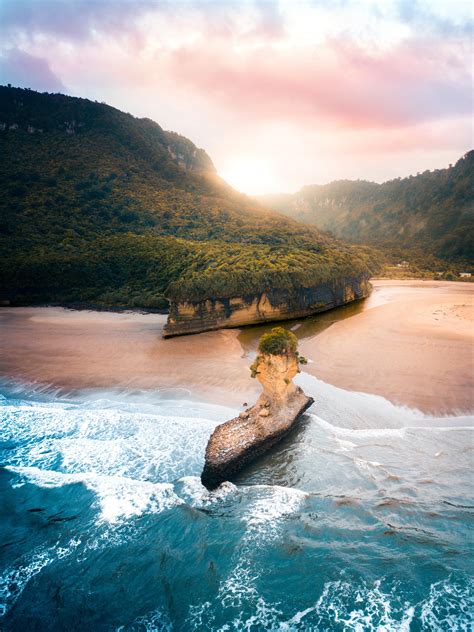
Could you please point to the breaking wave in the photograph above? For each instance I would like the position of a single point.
(358, 521)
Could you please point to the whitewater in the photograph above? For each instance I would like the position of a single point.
(359, 520)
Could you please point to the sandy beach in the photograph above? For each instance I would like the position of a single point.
(82, 349)
(411, 342)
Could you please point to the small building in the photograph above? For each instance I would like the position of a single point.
(403, 264)
(465, 275)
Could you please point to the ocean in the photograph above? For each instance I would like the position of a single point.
(361, 519)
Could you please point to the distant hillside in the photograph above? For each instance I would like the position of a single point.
(432, 211)
(99, 206)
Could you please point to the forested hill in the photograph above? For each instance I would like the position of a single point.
(99, 206)
(432, 210)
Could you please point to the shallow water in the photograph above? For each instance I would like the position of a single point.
(359, 520)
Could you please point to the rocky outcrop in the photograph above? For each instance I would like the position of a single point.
(239, 441)
(273, 305)
(187, 155)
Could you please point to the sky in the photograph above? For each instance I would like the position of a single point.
(280, 93)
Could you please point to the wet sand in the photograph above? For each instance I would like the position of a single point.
(74, 350)
(411, 341)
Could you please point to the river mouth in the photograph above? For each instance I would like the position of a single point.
(360, 519)
(410, 342)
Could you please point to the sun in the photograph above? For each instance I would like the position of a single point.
(249, 175)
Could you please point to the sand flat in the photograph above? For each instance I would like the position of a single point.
(84, 349)
(412, 343)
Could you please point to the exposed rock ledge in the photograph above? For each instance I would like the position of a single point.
(235, 443)
(275, 304)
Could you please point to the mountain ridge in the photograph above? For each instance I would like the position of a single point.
(433, 210)
(103, 208)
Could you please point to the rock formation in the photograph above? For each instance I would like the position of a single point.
(275, 304)
(235, 443)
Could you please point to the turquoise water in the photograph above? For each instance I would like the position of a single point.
(359, 520)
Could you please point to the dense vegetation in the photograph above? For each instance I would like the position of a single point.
(430, 213)
(279, 341)
(99, 207)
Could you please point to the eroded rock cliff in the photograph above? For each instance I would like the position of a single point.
(235, 443)
(274, 304)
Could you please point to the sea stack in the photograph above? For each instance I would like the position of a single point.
(235, 443)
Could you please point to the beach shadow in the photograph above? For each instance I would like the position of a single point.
(303, 328)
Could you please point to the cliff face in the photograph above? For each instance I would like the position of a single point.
(275, 373)
(239, 441)
(187, 155)
(275, 304)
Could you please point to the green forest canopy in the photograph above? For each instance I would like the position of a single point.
(432, 212)
(98, 206)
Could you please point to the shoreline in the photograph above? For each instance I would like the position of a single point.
(89, 307)
(80, 349)
(413, 344)
(410, 342)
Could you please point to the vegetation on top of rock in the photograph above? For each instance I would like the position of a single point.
(431, 212)
(99, 207)
(279, 341)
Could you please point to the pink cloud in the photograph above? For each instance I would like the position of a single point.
(245, 64)
(338, 83)
(236, 79)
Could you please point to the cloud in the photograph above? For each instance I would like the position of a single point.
(282, 81)
(438, 17)
(338, 82)
(71, 19)
(80, 20)
(27, 71)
